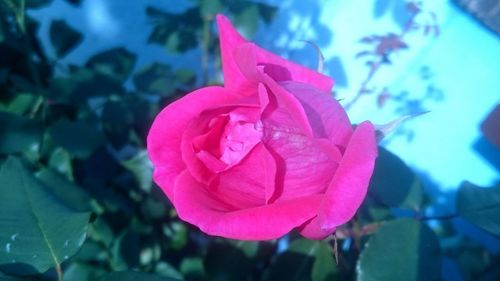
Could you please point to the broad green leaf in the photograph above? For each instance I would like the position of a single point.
(393, 183)
(18, 133)
(324, 267)
(142, 168)
(117, 63)
(79, 138)
(66, 191)
(38, 231)
(480, 206)
(135, 276)
(402, 249)
(63, 37)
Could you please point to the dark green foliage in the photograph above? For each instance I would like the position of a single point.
(63, 37)
(77, 200)
(480, 206)
(402, 249)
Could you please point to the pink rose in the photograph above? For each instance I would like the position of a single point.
(268, 152)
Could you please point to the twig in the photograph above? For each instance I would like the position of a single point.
(374, 67)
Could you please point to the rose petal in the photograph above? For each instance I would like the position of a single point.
(197, 206)
(350, 183)
(230, 39)
(164, 137)
(251, 182)
(327, 117)
(313, 230)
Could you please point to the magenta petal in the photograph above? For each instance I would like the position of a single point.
(251, 182)
(327, 117)
(164, 138)
(313, 230)
(230, 39)
(197, 206)
(350, 182)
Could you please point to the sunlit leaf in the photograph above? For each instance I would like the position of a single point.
(480, 206)
(38, 231)
(402, 249)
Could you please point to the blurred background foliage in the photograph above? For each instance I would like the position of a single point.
(78, 202)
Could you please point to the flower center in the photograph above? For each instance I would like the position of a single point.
(240, 136)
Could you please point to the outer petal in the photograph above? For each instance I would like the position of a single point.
(197, 206)
(349, 185)
(164, 138)
(230, 39)
(350, 182)
(327, 117)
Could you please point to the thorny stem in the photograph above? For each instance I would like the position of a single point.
(376, 66)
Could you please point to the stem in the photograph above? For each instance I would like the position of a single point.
(59, 272)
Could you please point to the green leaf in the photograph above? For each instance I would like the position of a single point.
(135, 276)
(63, 37)
(18, 133)
(402, 249)
(296, 263)
(155, 79)
(480, 206)
(20, 104)
(83, 84)
(82, 272)
(116, 122)
(393, 183)
(217, 265)
(8, 278)
(192, 268)
(66, 191)
(34, 4)
(324, 267)
(79, 138)
(117, 63)
(38, 231)
(142, 168)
